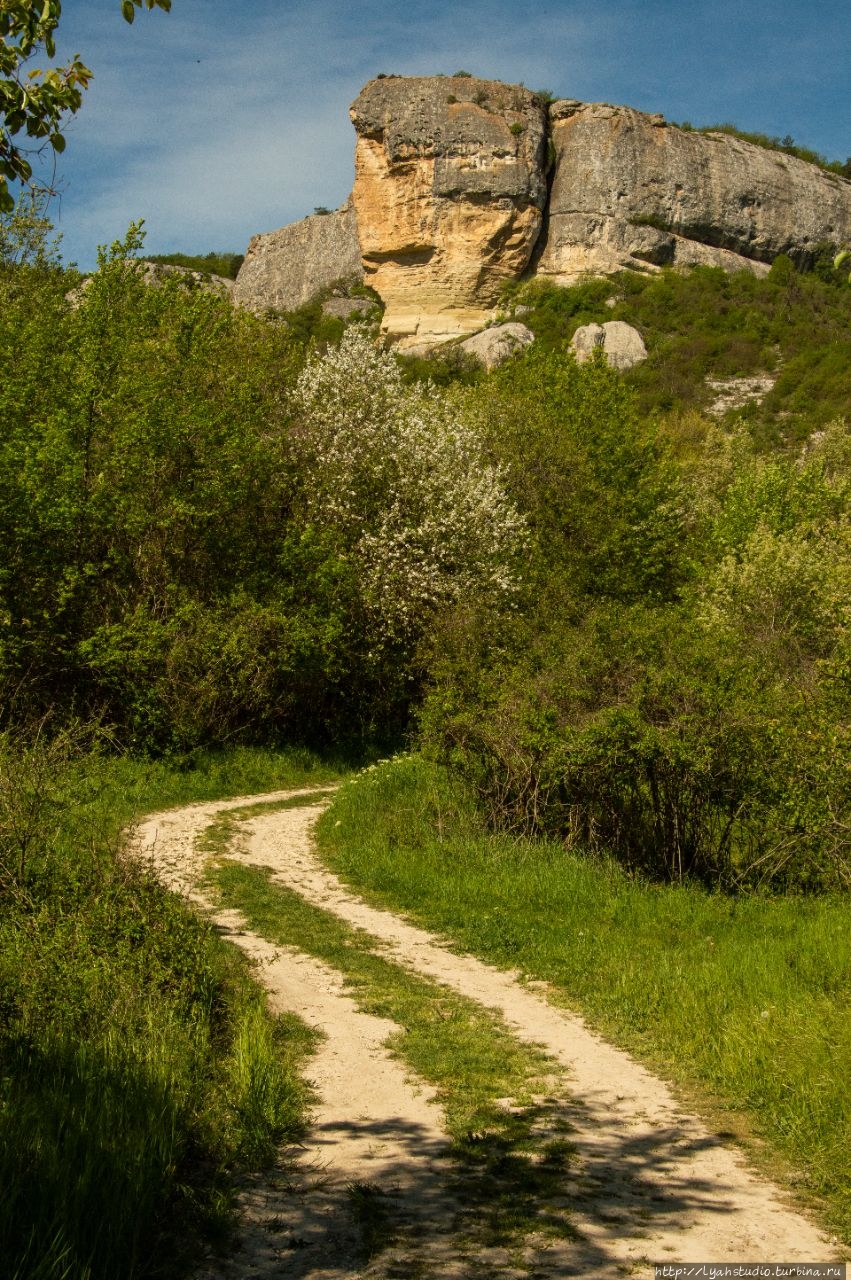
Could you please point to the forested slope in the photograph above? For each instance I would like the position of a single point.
(622, 620)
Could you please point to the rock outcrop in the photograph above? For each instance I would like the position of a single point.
(157, 273)
(462, 184)
(449, 196)
(621, 344)
(344, 308)
(630, 190)
(287, 268)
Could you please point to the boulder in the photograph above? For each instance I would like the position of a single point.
(497, 344)
(622, 345)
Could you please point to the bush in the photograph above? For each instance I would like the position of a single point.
(404, 490)
(139, 1066)
(215, 264)
(176, 558)
(600, 494)
(699, 737)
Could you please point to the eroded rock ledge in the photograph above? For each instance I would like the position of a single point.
(462, 184)
(449, 196)
(285, 269)
(631, 190)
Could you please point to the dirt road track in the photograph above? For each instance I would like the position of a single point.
(651, 1184)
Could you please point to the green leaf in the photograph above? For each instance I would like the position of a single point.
(128, 10)
(57, 142)
(841, 258)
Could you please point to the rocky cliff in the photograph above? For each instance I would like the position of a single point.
(630, 190)
(449, 196)
(285, 269)
(462, 184)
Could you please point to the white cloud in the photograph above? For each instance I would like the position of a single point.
(222, 119)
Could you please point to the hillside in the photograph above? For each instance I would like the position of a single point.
(611, 613)
(464, 185)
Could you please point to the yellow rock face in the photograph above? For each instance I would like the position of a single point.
(449, 192)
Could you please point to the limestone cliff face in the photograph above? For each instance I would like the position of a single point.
(449, 195)
(629, 190)
(285, 269)
(462, 184)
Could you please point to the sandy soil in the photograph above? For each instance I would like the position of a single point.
(650, 1184)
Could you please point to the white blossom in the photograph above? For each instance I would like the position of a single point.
(408, 489)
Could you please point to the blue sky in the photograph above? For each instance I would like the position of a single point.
(229, 117)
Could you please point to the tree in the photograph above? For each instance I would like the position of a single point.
(33, 102)
(403, 489)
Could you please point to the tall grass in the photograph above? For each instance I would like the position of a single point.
(746, 996)
(139, 1066)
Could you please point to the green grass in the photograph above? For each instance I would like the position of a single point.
(128, 787)
(139, 1066)
(509, 1164)
(746, 998)
(706, 322)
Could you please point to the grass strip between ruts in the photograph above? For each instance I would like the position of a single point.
(742, 1000)
(510, 1161)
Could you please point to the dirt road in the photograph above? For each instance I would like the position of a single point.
(648, 1184)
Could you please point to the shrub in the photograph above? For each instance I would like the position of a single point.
(702, 736)
(404, 488)
(217, 264)
(600, 494)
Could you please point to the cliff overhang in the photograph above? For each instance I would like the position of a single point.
(463, 184)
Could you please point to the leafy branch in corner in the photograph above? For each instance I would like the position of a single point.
(33, 102)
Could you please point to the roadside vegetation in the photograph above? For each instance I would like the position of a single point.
(742, 997)
(616, 627)
(140, 1070)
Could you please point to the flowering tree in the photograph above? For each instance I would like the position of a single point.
(406, 490)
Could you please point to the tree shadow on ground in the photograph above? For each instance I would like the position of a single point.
(523, 1196)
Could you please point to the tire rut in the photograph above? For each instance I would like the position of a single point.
(651, 1184)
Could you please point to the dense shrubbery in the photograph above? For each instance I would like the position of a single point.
(693, 723)
(172, 561)
(635, 638)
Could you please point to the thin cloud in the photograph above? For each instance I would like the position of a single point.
(215, 122)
